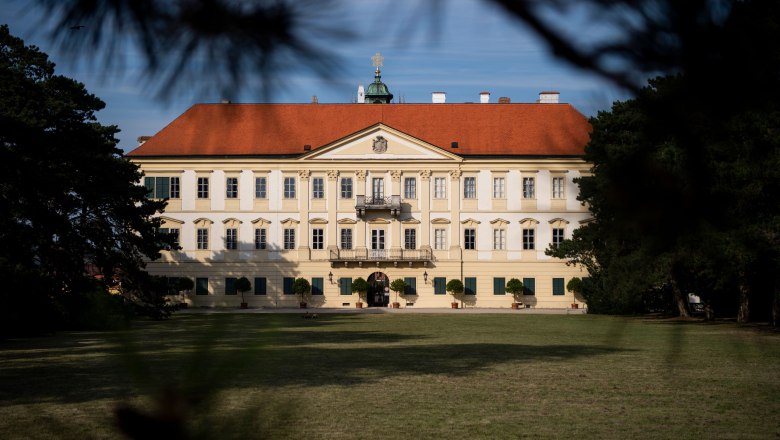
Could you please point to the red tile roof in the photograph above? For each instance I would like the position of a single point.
(283, 129)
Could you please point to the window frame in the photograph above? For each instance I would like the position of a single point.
(202, 188)
(469, 239)
(201, 286)
(410, 187)
(558, 235)
(439, 188)
(231, 239)
(345, 237)
(470, 187)
(439, 285)
(261, 187)
(529, 239)
(440, 242)
(261, 239)
(529, 188)
(499, 285)
(499, 239)
(558, 286)
(231, 187)
(558, 190)
(202, 239)
(499, 192)
(289, 238)
(470, 286)
(289, 189)
(318, 238)
(261, 286)
(410, 238)
(345, 187)
(318, 188)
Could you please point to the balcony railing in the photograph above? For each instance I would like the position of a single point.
(368, 203)
(381, 255)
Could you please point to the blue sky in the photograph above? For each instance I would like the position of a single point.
(462, 48)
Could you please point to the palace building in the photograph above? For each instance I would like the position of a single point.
(332, 192)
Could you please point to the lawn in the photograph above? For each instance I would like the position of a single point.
(400, 376)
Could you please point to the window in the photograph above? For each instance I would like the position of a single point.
(346, 239)
(162, 187)
(231, 239)
(410, 188)
(469, 238)
(410, 239)
(528, 239)
(558, 288)
(499, 286)
(261, 286)
(470, 286)
(498, 188)
(411, 286)
(440, 286)
(316, 286)
(557, 187)
(317, 238)
(346, 187)
(289, 238)
(469, 187)
(529, 187)
(440, 239)
(318, 188)
(529, 286)
(557, 236)
(439, 187)
(289, 187)
(287, 285)
(201, 286)
(261, 188)
(231, 187)
(173, 233)
(345, 286)
(203, 187)
(499, 239)
(378, 188)
(230, 286)
(203, 238)
(261, 238)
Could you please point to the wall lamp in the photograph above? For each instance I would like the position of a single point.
(425, 276)
(330, 277)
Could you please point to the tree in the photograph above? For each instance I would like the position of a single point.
(575, 287)
(398, 285)
(359, 286)
(243, 285)
(73, 215)
(454, 287)
(515, 287)
(186, 284)
(302, 288)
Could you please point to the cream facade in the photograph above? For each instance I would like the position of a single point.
(379, 204)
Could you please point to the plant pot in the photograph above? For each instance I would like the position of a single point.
(515, 306)
(358, 305)
(244, 305)
(454, 305)
(575, 306)
(396, 305)
(303, 305)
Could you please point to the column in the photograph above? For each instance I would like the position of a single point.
(425, 209)
(455, 213)
(332, 200)
(360, 227)
(395, 189)
(303, 207)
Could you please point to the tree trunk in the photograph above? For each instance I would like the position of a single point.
(743, 315)
(679, 299)
(709, 311)
(776, 309)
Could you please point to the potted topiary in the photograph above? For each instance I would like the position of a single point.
(243, 285)
(397, 286)
(515, 287)
(455, 288)
(359, 286)
(185, 284)
(302, 288)
(574, 286)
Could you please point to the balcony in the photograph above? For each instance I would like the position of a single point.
(366, 203)
(381, 255)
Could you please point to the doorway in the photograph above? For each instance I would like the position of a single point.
(378, 294)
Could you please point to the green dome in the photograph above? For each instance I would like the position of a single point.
(377, 92)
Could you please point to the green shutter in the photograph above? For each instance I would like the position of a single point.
(260, 286)
(499, 286)
(316, 286)
(411, 286)
(440, 286)
(288, 285)
(471, 286)
(529, 286)
(230, 286)
(345, 286)
(162, 187)
(149, 184)
(558, 287)
(201, 286)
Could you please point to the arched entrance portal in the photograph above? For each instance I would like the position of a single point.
(378, 285)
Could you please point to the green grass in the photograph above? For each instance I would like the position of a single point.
(399, 376)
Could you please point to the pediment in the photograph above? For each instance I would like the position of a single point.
(381, 142)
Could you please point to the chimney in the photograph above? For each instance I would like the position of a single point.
(361, 99)
(504, 100)
(142, 139)
(225, 101)
(439, 97)
(307, 147)
(454, 144)
(548, 97)
(314, 99)
(484, 97)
